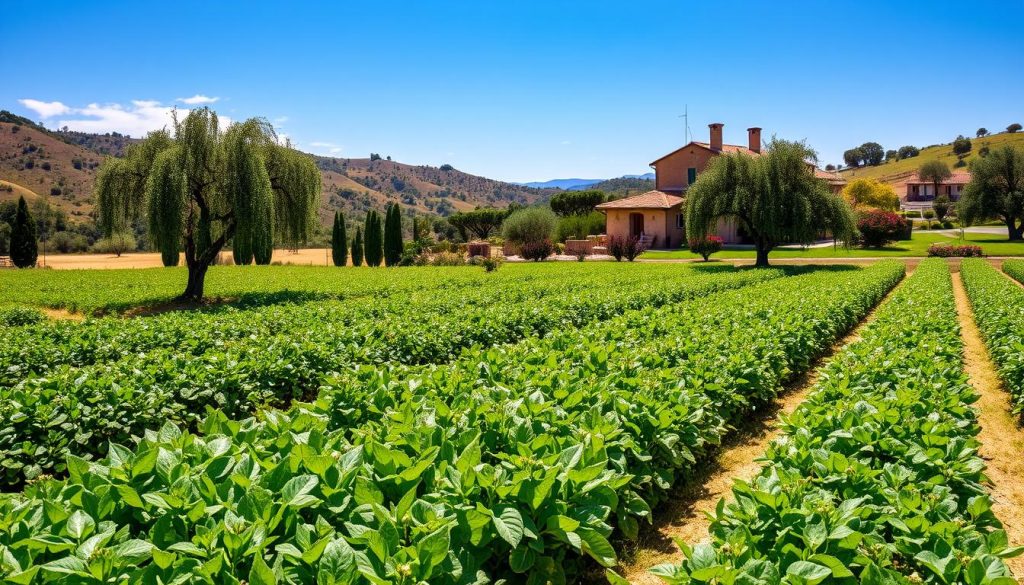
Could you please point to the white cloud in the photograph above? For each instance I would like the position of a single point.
(566, 142)
(137, 119)
(199, 100)
(281, 120)
(328, 147)
(45, 109)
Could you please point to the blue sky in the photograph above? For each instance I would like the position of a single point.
(522, 90)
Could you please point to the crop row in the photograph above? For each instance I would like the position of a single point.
(240, 360)
(877, 477)
(506, 465)
(423, 326)
(113, 291)
(1015, 269)
(998, 306)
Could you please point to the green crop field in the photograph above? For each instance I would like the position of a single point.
(453, 426)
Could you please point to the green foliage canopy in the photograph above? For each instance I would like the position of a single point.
(576, 202)
(339, 240)
(480, 222)
(24, 247)
(393, 245)
(996, 190)
(202, 187)
(775, 197)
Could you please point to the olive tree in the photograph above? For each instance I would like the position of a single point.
(996, 190)
(775, 198)
(934, 171)
(201, 187)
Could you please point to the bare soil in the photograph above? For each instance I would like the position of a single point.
(1002, 440)
(685, 517)
(304, 257)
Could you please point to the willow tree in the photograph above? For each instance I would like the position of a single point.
(775, 198)
(200, 188)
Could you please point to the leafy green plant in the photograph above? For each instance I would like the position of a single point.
(514, 462)
(877, 477)
(998, 306)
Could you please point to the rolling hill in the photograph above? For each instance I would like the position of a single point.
(37, 162)
(899, 171)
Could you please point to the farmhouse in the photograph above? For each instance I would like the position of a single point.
(656, 217)
(921, 190)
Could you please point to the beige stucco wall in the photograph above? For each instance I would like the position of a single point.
(660, 223)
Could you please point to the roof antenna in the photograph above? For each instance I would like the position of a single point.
(686, 123)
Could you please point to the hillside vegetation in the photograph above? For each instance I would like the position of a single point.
(63, 166)
(901, 170)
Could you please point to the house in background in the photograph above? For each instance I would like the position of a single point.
(656, 216)
(920, 190)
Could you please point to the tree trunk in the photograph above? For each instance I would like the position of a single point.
(762, 256)
(1015, 231)
(196, 280)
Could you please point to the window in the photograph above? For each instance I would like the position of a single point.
(679, 220)
(691, 175)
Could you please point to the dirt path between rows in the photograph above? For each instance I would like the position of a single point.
(1002, 441)
(685, 516)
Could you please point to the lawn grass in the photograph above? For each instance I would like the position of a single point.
(917, 246)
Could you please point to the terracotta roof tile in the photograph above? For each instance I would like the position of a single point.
(957, 178)
(648, 200)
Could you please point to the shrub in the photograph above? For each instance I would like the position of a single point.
(490, 264)
(869, 193)
(68, 242)
(707, 246)
(537, 251)
(628, 247)
(448, 259)
(17, 316)
(929, 214)
(941, 207)
(55, 191)
(878, 228)
(578, 227)
(947, 225)
(950, 251)
(116, 244)
(530, 225)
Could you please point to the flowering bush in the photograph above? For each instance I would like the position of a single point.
(707, 246)
(537, 250)
(625, 247)
(949, 251)
(878, 228)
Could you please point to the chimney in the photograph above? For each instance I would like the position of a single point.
(754, 139)
(716, 135)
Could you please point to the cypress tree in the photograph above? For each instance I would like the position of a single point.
(169, 256)
(24, 248)
(357, 248)
(393, 246)
(241, 250)
(416, 235)
(339, 240)
(373, 243)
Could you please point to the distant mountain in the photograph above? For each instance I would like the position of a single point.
(625, 186)
(566, 184)
(580, 184)
(62, 166)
